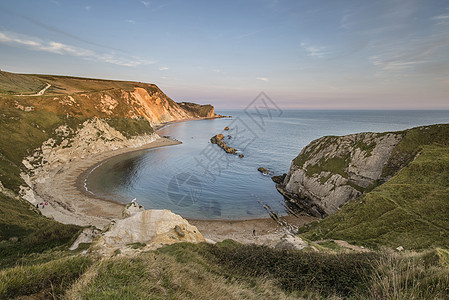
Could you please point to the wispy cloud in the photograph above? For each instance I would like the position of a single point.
(57, 29)
(87, 8)
(163, 68)
(314, 51)
(217, 70)
(262, 79)
(130, 21)
(36, 44)
(441, 17)
(415, 55)
(392, 65)
(154, 5)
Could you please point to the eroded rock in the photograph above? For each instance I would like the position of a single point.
(331, 170)
(290, 241)
(154, 228)
(85, 237)
(132, 209)
(263, 170)
(218, 140)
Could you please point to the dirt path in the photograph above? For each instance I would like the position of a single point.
(40, 93)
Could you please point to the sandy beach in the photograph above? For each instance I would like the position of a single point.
(70, 203)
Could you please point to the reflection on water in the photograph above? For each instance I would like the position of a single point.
(230, 187)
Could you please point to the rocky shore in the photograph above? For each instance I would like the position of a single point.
(57, 173)
(331, 171)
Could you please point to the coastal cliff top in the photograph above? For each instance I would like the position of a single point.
(30, 84)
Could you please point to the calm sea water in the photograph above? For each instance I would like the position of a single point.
(198, 180)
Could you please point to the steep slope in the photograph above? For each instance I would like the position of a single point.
(84, 97)
(32, 124)
(74, 118)
(410, 209)
(332, 170)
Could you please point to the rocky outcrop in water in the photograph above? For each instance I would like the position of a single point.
(279, 179)
(332, 170)
(263, 170)
(218, 140)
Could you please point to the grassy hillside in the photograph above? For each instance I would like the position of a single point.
(26, 84)
(229, 270)
(12, 84)
(24, 232)
(22, 132)
(410, 209)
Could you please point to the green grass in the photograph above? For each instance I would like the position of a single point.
(328, 274)
(183, 271)
(229, 270)
(49, 279)
(130, 127)
(411, 144)
(409, 276)
(368, 148)
(13, 84)
(335, 165)
(23, 132)
(35, 233)
(410, 210)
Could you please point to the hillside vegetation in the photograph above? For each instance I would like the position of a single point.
(27, 121)
(24, 232)
(229, 270)
(28, 84)
(410, 209)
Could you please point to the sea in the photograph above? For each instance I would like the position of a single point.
(198, 180)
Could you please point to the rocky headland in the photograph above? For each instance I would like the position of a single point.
(59, 136)
(71, 126)
(332, 170)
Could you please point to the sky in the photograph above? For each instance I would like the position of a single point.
(317, 54)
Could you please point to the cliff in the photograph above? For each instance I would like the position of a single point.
(52, 119)
(375, 189)
(85, 97)
(407, 211)
(331, 170)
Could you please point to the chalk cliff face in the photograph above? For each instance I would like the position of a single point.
(72, 118)
(332, 170)
(152, 228)
(146, 101)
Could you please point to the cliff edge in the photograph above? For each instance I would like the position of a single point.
(50, 120)
(333, 170)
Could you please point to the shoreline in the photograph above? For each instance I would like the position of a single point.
(70, 203)
(163, 125)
